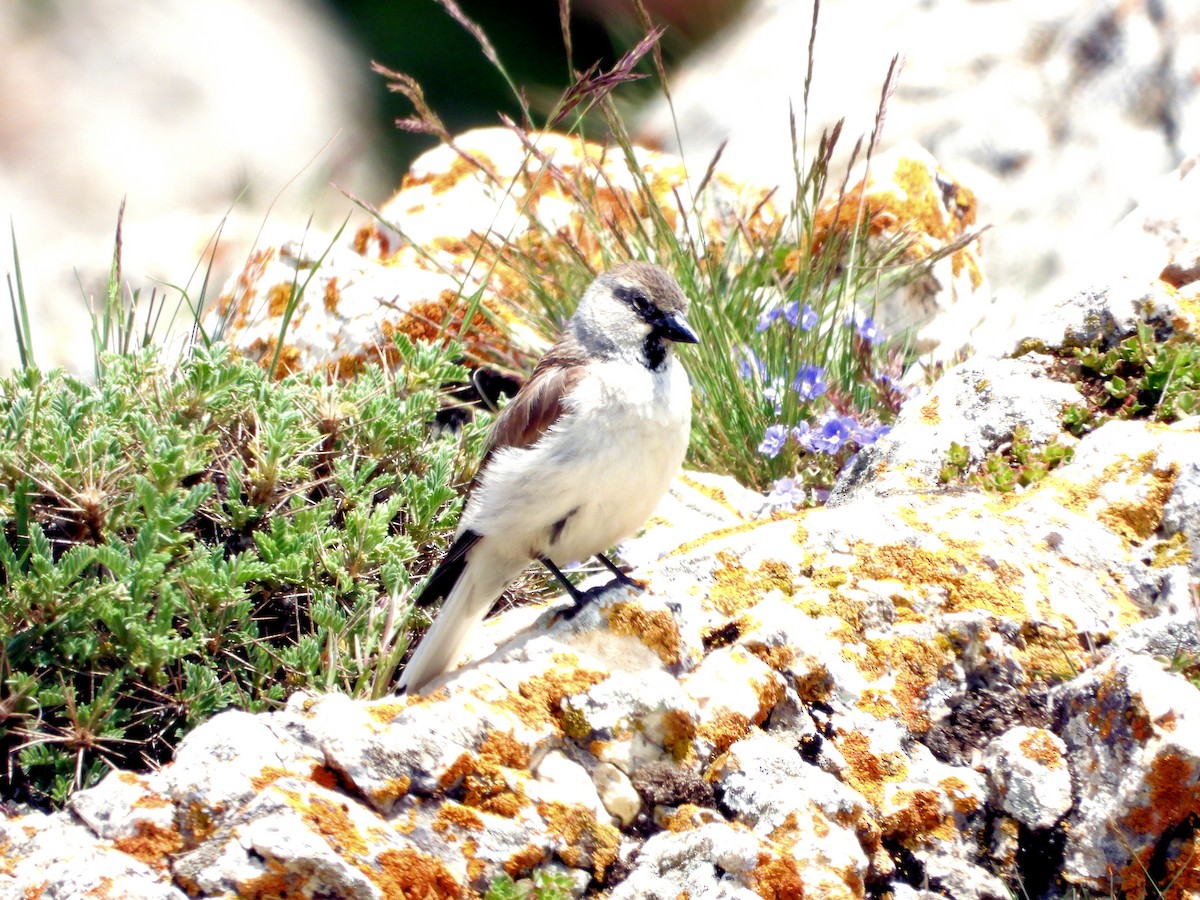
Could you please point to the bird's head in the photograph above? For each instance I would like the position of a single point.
(634, 310)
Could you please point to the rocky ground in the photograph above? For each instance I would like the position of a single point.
(922, 689)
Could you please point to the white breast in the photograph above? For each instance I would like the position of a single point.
(600, 471)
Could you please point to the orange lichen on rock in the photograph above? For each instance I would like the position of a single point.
(152, 844)
(453, 815)
(867, 772)
(539, 699)
(385, 713)
(330, 819)
(1040, 747)
(1174, 798)
(679, 731)
(523, 860)
(724, 729)
(736, 589)
(919, 816)
(585, 842)
(914, 666)
(778, 878)
(964, 800)
(656, 629)
(409, 874)
(485, 783)
(930, 211)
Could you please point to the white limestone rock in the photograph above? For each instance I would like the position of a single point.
(1029, 776)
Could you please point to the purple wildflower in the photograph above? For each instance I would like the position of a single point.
(773, 441)
(773, 392)
(749, 364)
(786, 493)
(830, 434)
(810, 382)
(767, 319)
(808, 318)
(865, 435)
(869, 331)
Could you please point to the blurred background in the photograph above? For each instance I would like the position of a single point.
(247, 118)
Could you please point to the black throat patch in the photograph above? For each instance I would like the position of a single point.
(654, 351)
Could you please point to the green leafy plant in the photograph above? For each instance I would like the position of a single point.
(1019, 463)
(177, 540)
(540, 885)
(1143, 376)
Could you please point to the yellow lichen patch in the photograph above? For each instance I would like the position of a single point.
(679, 731)
(409, 873)
(930, 414)
(736, 589)
(867, 772)
(1138, 519)
(914, 665)
(268, 775)
(385, 713)
(475, 866)
(723, 729)
(713, 493)
(777, 878)
(956, 568)
(964, 800)
(539, 699)
(654, 628)
(152, 844)
(279, 297)
(585, 842)
(330, 819)
(391, 790)
(1134, 519)
(1174, 551)
(719, 534)
(876, 703)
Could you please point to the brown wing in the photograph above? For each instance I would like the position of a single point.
(540, 401)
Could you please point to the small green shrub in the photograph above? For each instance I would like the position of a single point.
(175, 541)
(1143, 376)
(541, 885)
(1019, 463)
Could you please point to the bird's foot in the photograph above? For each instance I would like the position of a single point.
(580, 599)
(620, 576)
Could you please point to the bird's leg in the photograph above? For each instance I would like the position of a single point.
(621, 576)
(575, 593)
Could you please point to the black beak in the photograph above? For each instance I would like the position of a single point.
(674, 327)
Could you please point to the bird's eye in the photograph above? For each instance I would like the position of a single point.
(640, 303)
